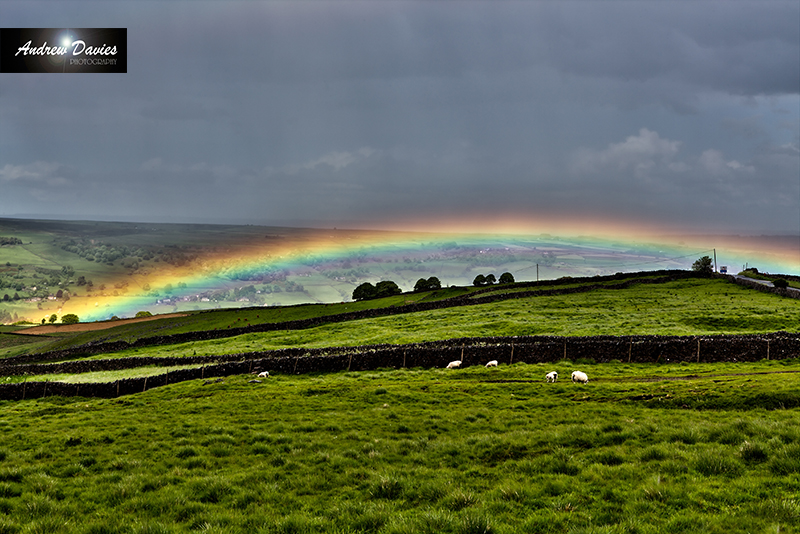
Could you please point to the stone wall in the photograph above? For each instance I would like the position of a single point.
(471, 351)
(624, 281)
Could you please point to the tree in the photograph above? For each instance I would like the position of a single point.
(53, 318)
(703, 265)
(143, 314)
(387, 288)
(70, 318)
(81, 281)
(506, 278)
(430, 284)
(479, 281)
(490, 279)
(780, 283)
(364, 291)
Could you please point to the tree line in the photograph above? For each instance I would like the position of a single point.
(388, 288)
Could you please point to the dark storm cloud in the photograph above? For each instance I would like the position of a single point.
(276, 111)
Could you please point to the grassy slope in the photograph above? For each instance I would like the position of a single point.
(229, 318)
(414, 451)
(688, 307)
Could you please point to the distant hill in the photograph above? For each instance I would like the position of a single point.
(99, 270)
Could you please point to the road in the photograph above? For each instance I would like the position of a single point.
(763, 282)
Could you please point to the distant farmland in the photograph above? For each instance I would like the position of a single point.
(100, 270)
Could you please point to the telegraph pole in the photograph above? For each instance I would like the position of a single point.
(715, 260)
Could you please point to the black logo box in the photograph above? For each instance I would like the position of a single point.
(103, 50)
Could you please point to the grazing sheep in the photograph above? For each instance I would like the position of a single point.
(578, 376)
(552, 376)
(492, 363)
(453, 365)
(263, 374)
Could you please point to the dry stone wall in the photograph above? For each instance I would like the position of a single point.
(471, 351)
(623, 281)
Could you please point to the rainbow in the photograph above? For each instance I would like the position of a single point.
(308, 251)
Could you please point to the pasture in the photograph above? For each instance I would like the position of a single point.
(695, 306)
(640, 448)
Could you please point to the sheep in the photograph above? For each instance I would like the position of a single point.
(578, 376)
(492, 363)
(263, 374)
(552, 376)
(453, 365)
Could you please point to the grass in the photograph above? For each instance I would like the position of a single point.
(96, 376)
(412, 451)
(218, 320)
(686, 307)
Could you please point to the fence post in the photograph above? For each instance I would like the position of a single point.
(630, 348)
(145, 385)
(348, 362)
(404, 358)
(698, 351)
(768, 349)
(117, 388)
(512, 354)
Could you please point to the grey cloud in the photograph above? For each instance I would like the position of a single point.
(50, 173)
(338, 110)
(742, 48)
(180, 110)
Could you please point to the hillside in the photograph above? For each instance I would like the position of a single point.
(103, 270)
(646, 303)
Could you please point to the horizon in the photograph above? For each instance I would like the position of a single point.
(521, 229)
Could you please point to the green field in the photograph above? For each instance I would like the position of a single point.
(683, 307)
(641, 448)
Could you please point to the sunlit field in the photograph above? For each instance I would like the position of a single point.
(640, 448)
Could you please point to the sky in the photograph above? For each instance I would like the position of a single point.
(667, 115)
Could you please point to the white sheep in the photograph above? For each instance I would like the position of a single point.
(492, 363)
(578, 376)
(552, 376)
(453, 365)
(263, 374)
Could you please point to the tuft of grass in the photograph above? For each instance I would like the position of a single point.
(786, 460)
(715, 462)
